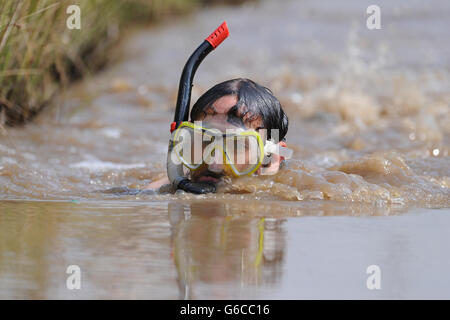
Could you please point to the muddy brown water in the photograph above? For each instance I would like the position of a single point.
(369, 184)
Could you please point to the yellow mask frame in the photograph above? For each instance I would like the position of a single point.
(212, 132)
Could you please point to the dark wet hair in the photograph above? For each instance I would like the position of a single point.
(254, 101)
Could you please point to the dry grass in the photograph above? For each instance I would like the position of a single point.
(39, 54)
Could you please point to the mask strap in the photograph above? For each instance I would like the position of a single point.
(280, 149)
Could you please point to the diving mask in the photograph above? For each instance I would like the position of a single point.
(240, 151)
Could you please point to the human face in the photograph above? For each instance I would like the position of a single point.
(223, 112)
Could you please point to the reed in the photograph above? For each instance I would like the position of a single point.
(39, 54)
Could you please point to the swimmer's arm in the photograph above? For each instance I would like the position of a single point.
(157, 184)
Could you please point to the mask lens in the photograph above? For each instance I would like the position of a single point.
(243, 153)
(188, 146)
(195, 146)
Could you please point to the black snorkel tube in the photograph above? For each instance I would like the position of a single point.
(175, 171)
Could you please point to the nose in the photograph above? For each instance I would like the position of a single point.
(215, 166)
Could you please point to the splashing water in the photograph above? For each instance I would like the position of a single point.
(369, 114)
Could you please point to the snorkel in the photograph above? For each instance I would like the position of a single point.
(175, 171)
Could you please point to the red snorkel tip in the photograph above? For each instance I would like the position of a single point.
(220, 34)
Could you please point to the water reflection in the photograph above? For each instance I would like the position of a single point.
(26, 242)
(132, 250)
(213, 249)
(218, 250)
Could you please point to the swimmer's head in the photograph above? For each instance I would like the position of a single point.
(242, 102)
(245, 104)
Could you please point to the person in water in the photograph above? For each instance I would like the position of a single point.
(245, 105)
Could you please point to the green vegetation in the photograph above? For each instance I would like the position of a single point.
(39, 54)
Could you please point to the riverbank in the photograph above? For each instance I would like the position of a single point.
(39, 54)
